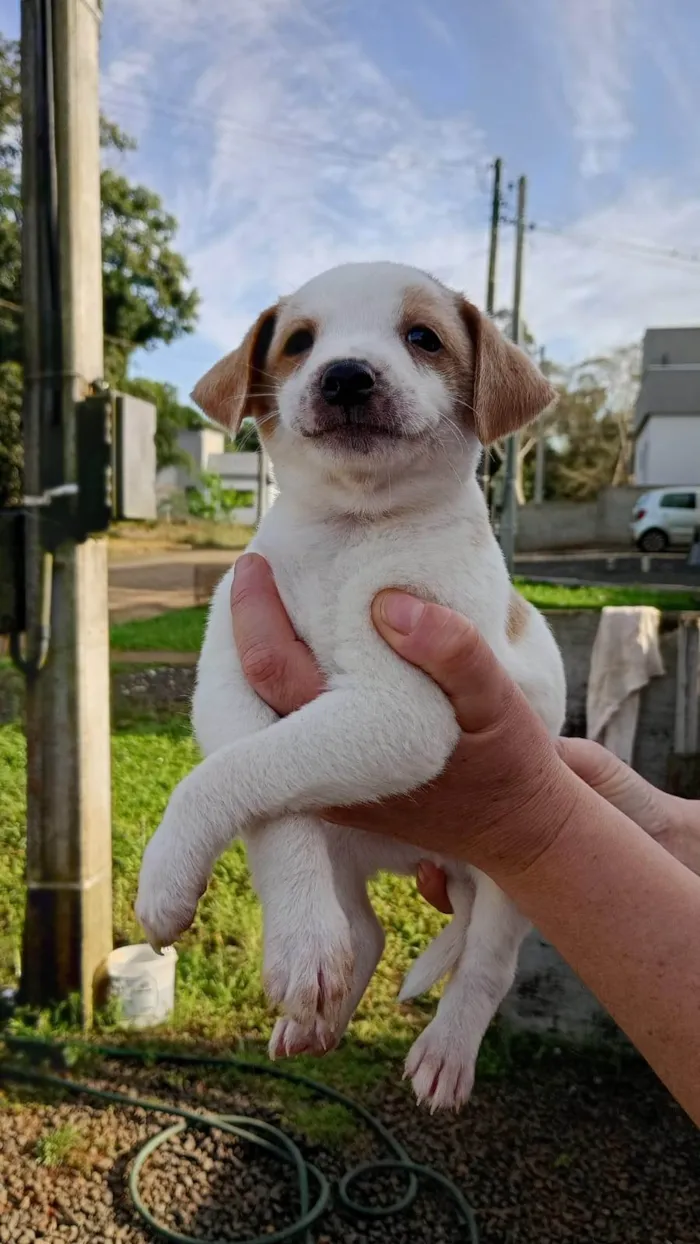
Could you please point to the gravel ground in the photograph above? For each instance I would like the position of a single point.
(163, 687)
(553, 1154)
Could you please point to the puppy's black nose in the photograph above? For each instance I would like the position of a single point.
(349, 382)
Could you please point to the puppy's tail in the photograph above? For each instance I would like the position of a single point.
(441, 955)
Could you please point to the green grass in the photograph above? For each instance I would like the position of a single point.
(556, 596)
(220, 1004)
(220, 994)
(58, 1147)
(182, 630)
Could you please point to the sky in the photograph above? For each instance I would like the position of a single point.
(290, 135)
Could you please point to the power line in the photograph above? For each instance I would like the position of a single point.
(645, 250)
(339, 152)
(284, 141)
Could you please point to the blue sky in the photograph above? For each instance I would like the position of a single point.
(289, 135)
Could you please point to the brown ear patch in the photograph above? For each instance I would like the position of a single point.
(518, 617)
(509, 391)
(239, 385)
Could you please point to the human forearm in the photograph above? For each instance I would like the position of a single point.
(585, 894)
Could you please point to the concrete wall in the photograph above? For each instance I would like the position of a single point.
(667, 450)
(601, 523)
(547, 996)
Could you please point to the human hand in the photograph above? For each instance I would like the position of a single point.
(673, 822)
(505, 770)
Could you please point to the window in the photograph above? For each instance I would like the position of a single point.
(678, 501)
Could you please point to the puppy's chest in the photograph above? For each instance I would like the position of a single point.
(327, 584)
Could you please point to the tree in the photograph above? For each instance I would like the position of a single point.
(172, 417)
(147, 293)
(10, 433)
(147, 298)
(589, 430)
(10, 207)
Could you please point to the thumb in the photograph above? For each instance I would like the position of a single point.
(626, 790)
(448, 648)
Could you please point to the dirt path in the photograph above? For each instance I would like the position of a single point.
(146, 586)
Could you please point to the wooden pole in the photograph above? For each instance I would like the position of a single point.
(68, 928)
(509, 521)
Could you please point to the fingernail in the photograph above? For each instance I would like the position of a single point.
(423, 872)
(401, 612)
(242, 565)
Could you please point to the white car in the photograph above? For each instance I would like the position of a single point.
(665, 517)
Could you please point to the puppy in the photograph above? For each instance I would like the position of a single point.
(374, 387)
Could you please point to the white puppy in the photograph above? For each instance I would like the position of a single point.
(373, 386)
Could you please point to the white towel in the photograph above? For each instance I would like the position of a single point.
(624, 659)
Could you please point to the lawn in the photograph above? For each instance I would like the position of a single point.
(220, 993)
(182, 630)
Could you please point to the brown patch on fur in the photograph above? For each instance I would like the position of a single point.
(518, 617)
(278, 368)
(281, 365)
(239, 385)
(509, 391)
(455, 363)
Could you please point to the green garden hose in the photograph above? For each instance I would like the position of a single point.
(313, 1188)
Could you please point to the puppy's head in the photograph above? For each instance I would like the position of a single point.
(372, 367)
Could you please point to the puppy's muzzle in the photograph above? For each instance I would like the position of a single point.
(348, 383)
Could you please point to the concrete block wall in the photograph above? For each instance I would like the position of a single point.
(601, 523)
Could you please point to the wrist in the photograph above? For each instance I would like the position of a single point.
(534, 828)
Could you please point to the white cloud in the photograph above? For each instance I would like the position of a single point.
(283, 149)
(588, 46)
(291, 151)
(598, 296)
(128, 74)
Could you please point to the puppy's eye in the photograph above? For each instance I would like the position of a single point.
(424, 339)
(299, 342)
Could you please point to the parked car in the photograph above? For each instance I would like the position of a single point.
(665, 517)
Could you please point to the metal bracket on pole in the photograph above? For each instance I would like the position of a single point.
(116, 469)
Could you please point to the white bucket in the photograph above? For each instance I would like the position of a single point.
(144, 982)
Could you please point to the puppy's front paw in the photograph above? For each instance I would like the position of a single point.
(309, 973)
(172, 881)
(441, 1066)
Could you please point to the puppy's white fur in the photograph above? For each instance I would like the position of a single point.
(359, 510)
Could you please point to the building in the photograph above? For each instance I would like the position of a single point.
(205, 450)
(667, 416)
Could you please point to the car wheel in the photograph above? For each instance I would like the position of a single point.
(653, 541)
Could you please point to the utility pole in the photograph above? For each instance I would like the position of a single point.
(483, 474)
(509, 520)
(68, 927)
(262, 480)
(540, 450)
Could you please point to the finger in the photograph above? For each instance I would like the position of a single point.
(432, 886)
(276, 663)
(448, 648)
(613, 780)
(595, 765)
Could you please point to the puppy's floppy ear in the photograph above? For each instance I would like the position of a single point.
(509, 391)
(235, 386)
